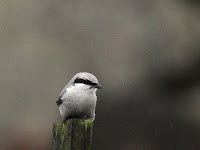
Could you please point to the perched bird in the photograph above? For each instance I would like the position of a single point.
(78, 98)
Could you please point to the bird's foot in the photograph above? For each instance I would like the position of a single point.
(83, 118)
(64, 121)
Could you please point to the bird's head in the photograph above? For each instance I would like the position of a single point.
(85, 81)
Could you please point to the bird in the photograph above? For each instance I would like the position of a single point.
(78, 98)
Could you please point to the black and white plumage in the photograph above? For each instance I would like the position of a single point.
(78, 98)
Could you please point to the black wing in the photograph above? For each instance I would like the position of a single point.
(59, 101)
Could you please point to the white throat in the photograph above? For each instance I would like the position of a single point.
(84, 88)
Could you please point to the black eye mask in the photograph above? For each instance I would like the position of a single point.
(84, 81)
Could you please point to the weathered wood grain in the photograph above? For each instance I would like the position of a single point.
(75, 134)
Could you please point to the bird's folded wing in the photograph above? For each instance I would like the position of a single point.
(63, 92)
(59, 101)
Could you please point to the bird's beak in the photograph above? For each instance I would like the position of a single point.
(98, 86)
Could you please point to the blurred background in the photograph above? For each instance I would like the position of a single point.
(146, 54)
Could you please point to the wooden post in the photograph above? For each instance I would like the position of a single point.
(75, 134)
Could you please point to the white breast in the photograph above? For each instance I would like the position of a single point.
(79, 99)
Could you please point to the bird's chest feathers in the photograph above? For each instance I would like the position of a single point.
(81, 94)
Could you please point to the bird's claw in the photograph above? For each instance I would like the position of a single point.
(83, 118)
(64, 121)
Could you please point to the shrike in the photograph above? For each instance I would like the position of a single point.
(78, 98)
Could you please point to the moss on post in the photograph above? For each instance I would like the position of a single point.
(75, 134)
